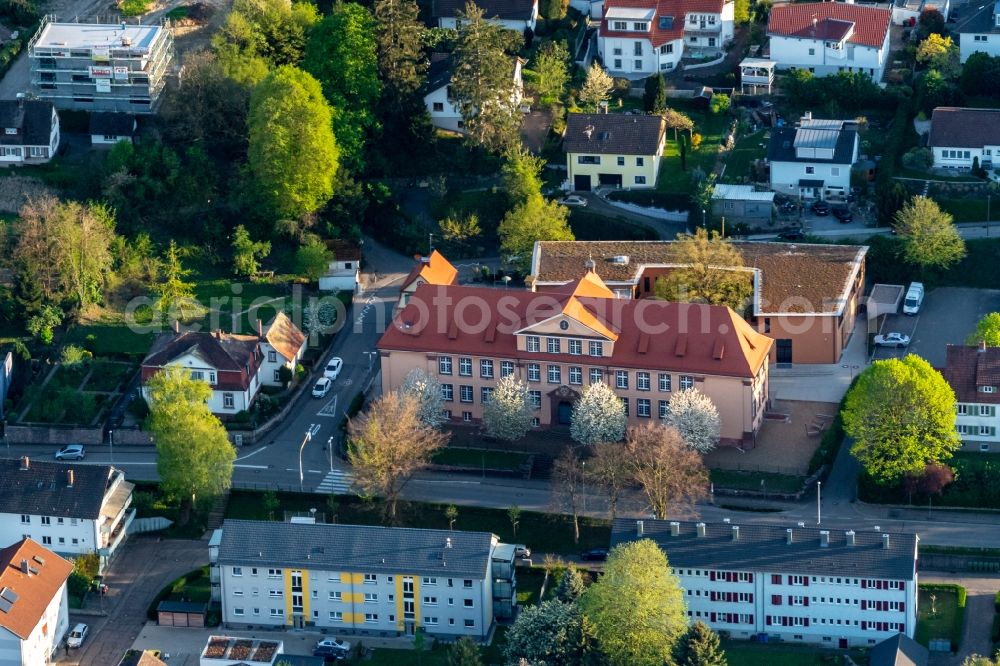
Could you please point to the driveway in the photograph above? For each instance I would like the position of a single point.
(140, 572)
(978, 616)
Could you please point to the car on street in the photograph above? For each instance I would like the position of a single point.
(330, 655)
(322, 387)
(792, 235)
(333, 368)
(820, 207)
(77, 636)
(843, 214)
(574, 201)
(522, 551)
(71, 452)
(594, 555)
(334, 644)
(898, 340)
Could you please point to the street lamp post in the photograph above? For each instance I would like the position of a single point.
(371, 358)
(305, 440)
(111, 443)
(329, 445)
(819, 490)
(584, 479)
(703, 222)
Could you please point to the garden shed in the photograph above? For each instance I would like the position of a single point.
(181, 613)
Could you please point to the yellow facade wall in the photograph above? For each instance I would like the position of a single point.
(609, 165)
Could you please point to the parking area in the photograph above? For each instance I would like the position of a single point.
(947, 316)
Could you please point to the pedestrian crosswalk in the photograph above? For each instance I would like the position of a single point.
(336, 481)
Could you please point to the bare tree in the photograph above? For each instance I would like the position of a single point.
(388, 444)
(610, 470)
(671, 473)
(568, 484)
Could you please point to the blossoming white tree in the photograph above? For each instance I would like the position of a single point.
(428, 392)
(507, 414)
(598, 416)
(696, 419)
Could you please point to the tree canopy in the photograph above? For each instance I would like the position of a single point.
(259, 35)
(711, 272)
(930, 238)
(597, 87)
(427, 391)
(901, 415)
(535, 219)
(700, 646)
(552, 67)
(598, 416)
(550, 633)
(247, 252)
(670, 473)
(696, 418)
(987, 330)
(939, 53)
(507, 415)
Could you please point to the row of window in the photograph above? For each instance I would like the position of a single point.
(643, 379)
(338, 616)
(956, 154)
(369, 578)
(981, 430)
(47, 540)
(47, 520)
(965, 409)
(811, 170)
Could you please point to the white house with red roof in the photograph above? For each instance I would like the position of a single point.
(830, 37)
(641, 37)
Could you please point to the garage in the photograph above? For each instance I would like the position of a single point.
(581, 183)
(610, 179)
(181, 614)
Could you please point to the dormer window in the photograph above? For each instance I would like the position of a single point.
(987, 389)
(10, 130)
(693, 20)
(619, 25)
(666, 22)
(641, 27)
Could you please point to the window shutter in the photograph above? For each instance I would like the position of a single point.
(767, 620)
(751, 619)
(864, 604)
(789, 580)
(902, 606)
(785, 621)
(864, 625)
(790, 602)
(805, 581)
(751, 597)
(775, 579)
(713, 617)
(864, 583)
(806, 621)
(711, 575)
(805, 600)
(775, 599)
(751, 578)
(712, 595)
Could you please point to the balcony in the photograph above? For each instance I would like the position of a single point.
(111, 540)
(707, 29)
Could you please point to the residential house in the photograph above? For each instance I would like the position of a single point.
(33, 603)
(559, 342)
(638, 38)
(107, 129)
(442, 106)
(833, 588)
(100, 67)
(344, 271)
(981, 32)
(519, 15)
(813, 160)
(613, 150)
(907, 12)
(72, 509)
(898, 650)
(811, 320)
(830, 37)
(236, 651)
(433, 269)
(742, 204)
(31, 131)
(973, 372)
(961, 137)
(282, 345)
(359, 579)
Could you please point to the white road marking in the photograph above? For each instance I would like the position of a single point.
(329, 409)
(250, 454)
(251, 466)
(314, 429)
(337, 481)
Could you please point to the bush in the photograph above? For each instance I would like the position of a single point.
(133, 7)
(918, 158)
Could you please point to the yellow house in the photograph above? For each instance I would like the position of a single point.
(613, 150)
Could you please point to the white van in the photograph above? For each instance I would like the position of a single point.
(914, 298)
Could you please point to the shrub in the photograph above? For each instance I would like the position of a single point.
(918, 158)
(133, 7)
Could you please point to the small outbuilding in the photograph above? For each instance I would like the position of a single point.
(898, 650)
(742, 203)
(181, 613)
(107, 129)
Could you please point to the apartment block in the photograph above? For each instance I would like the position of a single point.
(100, 67)
(801, 584)
(364, 580)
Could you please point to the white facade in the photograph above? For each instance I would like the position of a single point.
(814, 159)
(825, 58)
(962, 158)
(108, 139)
(270, 367)
(43, 642)
(629, 56)
(451, 22)
(978, 426)
(445, 113)
(785, 176)
(342, 275)
(227, 400)
(33, 154)
(981, 34)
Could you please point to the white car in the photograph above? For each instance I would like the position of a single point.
(522, 551)
(77, 636)
(574, 200)
(71, 452)
(897, 340)
(335, 644)
(322, 387)
(333, 368)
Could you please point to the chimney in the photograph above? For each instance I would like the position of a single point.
(24, 567)
(675, 528)
(218, 334)
(638, 528)
(885, 541)
(788, 534)
(260, 329)
(808, 115)
(850, 537)
(70, 478)
(824, 539)
(982, 346)
(701, 529)
(447, 542)
(736, 532)
(25, 463)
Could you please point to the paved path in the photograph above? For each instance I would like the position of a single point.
(978, 615)
(140, 572)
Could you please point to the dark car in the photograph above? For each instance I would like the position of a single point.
(793, 235)
(820, 207)
(594, 555)
(843, 213)
(329, 654)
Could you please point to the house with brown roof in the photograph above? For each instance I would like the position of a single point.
(613, 150)
(282, 345)
(638, 38)
(519, 15)
(433, 269)
(34, 608)
(804, 296)
(579, 334)
(973, 372)
(830, 37)
(960, 137)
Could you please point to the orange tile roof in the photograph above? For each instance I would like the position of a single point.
(659, 36)
(434, 270)
(796, 20)
(284, 336)
(34, 590)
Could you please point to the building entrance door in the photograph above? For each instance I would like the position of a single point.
(565, 413)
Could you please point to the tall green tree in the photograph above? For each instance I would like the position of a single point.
(247, 252)
(711, 272)
(341, 54)
(552, 67)
(402, 66)
(929, 235)
(987, 330)
(464, 652)
(194, 456)
(901, 415)
(535, 219)
(571, 586)
(741, 12)
(637, 607)
(597, 87)
(482, 82)
(700, 646)
(293, 155)
(550, 633)
(173, 294)
(259, 35)
(654, 98)
(522, 176)
(313, 259)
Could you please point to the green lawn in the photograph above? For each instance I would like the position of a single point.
(778, 483)
(966, 210)
(111, 339)
(543, 533)
(946, 621)
(437, 656)
(747, 149)
(529, 585)
(108, 376)
(753, 654)
(480, 458)
(925, 175)
(712, 128)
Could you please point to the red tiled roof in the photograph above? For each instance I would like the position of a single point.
(681, 337)
(679, 9)
(967, 368)
(34, 590)
(796, 20)
(434, 270)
